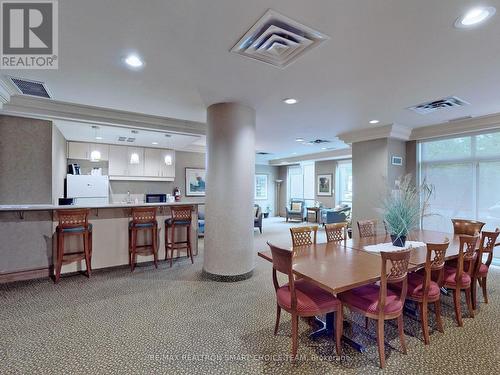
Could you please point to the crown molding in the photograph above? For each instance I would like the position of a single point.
(326, 155)
(476, 124)
(50, 109)
(385, 131)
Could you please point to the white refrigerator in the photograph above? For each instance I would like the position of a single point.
(87, 190)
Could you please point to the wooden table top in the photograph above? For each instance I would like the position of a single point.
(333, 267)
(336, 268)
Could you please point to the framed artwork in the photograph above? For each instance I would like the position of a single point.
(261, 186)
(324, 184)
(397, 160)
(195, 182)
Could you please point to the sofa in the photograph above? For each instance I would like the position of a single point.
(296, 210)
(257, 220)
(338, 214)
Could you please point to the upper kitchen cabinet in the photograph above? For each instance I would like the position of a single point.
(135, 159)
(159, 163)
(118, 163)
(88, 151)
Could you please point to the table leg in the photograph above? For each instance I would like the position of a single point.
(328, 330)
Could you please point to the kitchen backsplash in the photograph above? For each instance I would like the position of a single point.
(138, 189)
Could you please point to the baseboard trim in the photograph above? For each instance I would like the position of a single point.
(227, 278)
(38, 273)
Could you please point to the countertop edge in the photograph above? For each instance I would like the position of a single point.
(51, 207)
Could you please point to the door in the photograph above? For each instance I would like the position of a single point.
(152, 160)
(78, 150)
(118, 165)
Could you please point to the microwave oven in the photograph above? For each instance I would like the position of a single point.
(156, 198)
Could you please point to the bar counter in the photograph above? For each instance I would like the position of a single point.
(28, 239)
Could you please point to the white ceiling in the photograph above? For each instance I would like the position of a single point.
(77, 131)
(382, 57)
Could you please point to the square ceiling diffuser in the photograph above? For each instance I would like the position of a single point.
(278, 40)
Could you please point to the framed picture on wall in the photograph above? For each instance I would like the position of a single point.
(261, 186)
(195, 182)
(324, 184)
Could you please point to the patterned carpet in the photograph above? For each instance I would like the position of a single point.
(173, 321)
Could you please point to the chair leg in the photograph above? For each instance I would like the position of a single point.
(86, 251)
(439, 320)
(485, 291)
(295, 329)
(172, 246)
(380, 342)
(133, 237)
(166, 242)
(367, 322)
(474, 293)
(90, 250)
(154, 240)
(402, 333)
(424, 321)
(458, 310)
(278, 314)
(468, 299)
(189, 250)
(60, 254)
(339, 325)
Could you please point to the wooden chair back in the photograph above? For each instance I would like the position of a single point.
(73, 218)
(466, 256)
(181, 213)
(302, 236)
(434, 264)
(397, 273)
(367, 228)
(488, 242)
(142, 215)
(336, 232)
(282, 262)
(468, 227)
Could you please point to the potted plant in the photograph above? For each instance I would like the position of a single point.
(404, 208)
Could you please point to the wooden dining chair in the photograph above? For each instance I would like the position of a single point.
(378, 302)
(367, 228)
(302, 299)
(336, 232)
(459, 277)
(425, 288)
(468, 227)
(302, 236)
(480, 274)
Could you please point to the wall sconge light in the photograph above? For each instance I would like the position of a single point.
(134, 158)
(95, 155)
(168, 159)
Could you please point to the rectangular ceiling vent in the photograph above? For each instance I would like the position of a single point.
(122, 139)
(130, 140)
(318, 141)
(277, 40)
(262, 153)
(32, 88)
(436, 105)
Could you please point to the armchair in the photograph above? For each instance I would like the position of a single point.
(296, 210)
(257, 220)
(338, 214)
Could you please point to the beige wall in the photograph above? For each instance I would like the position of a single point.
(272, 173)
(325, 167)
(25, 160)
(282, 175)
(395, 147)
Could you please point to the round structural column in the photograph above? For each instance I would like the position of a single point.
(229, 253)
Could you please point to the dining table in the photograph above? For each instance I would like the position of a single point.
(341, 266)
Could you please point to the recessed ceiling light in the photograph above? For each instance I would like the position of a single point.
(294, 153)
(323, 148)
(154, 143)
(299, 139)
(474, 17)
(134, 61)
(290, 101)
(98, 138)
(374, 121)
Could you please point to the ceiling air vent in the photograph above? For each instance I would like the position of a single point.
(263, 153)
(130, 140)
(318, 141)
(436, 105)
(277, 40)
(122, 139)
(32, 88)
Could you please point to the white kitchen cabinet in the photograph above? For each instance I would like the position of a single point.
(118, 162)
(167, 170)
(152, 159)
(135, 161)
(78, 150)
(102, 148)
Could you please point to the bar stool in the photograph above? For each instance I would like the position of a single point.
(181, 217)
(143, 219)
(73, 223)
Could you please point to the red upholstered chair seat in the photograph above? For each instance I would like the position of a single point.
(310, 298)
(365, 298)
(450, 275)
(416, 287)
(483, 270)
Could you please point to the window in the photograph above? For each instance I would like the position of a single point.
(344, 182)
(301, 182)
(465, 174)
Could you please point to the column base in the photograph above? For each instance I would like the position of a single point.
(227, 278)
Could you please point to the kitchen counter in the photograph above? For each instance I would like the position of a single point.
(28, 238)
(50, 207)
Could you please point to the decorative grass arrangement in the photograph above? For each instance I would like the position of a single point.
(403, 210)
